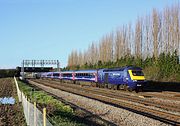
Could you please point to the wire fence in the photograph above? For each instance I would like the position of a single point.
(33, 116)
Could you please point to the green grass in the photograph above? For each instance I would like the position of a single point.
(59, 113)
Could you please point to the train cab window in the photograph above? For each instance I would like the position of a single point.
(137, 73)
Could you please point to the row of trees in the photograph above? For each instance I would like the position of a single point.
(7, 73)
(154, 36)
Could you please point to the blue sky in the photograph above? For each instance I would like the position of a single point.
(51, 29)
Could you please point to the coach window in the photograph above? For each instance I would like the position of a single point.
(89, 74)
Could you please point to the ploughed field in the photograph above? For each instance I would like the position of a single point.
(10, 114)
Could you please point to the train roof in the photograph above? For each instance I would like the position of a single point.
(122, 68)
(85, 71)
(46, 73)
(70, 71)
(134, 68)
(57, 72)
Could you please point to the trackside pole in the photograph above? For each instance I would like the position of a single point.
(27, 111)
(34, 113)
(44, 116)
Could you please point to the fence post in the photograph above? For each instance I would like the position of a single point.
(34, 113)
(44, 116)
(27, 111)
(20, 95)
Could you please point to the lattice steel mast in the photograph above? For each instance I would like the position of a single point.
(42, 63)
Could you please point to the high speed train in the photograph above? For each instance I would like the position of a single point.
(127, 78)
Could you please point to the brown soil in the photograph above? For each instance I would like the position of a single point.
(10, 115)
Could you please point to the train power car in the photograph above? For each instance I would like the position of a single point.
(127, 78)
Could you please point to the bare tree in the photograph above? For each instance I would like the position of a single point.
(138, 38)
(153, 34)
(155, 31)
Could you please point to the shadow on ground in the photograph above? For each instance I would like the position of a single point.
(155, 86)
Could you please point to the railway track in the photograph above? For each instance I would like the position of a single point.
(163, 95)
(123, 96)
(116, 100)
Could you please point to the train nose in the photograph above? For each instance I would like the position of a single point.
(140, 83)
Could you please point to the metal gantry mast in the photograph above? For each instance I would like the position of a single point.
(42, 63)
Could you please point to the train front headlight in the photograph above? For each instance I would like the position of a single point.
(139, 85)
(134, 80)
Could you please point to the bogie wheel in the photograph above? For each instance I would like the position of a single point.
(103, 85)
(98, 85)
(115, 87)
(106, 85)
(121, 86)
(130, 89)
(109, 86)
(125, 87)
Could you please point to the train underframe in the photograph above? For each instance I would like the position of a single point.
(101, 85)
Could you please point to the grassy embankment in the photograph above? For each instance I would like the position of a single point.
(59, 113)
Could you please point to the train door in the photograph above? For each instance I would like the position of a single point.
(125, 78)
(106, 78)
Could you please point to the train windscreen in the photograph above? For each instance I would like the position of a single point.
(137, 73)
